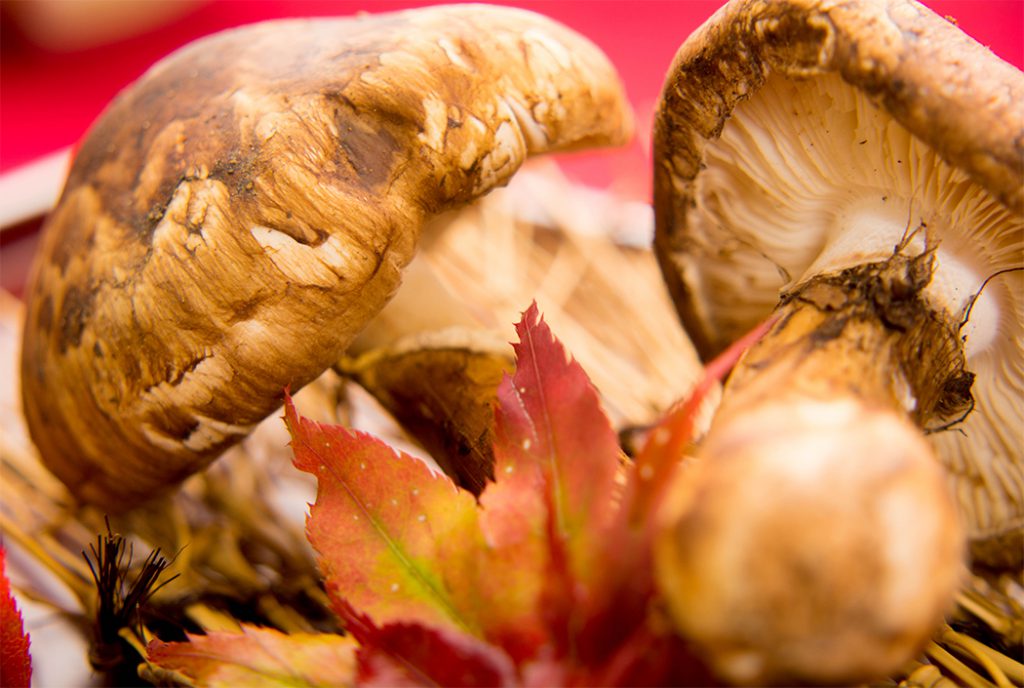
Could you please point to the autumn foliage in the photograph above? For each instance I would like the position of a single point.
(544, 580)
(15, 664)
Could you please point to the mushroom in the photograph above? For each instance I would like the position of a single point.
(789, 563)
(237, 216)
(857, 168)
(433, 356)
(853, 171)
(441, 386)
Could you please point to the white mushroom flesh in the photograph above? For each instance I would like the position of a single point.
(809, 177)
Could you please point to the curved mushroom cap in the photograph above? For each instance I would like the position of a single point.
(803, 137)
(237, 215)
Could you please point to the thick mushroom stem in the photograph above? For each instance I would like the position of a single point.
(865, 332)
(814, 541)
(817, 539)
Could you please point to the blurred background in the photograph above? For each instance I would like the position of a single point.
(61, 62)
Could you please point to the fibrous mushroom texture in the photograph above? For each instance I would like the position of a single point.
(839, 574)
(237, 215)
(818, 204)
(804, 141)
(810, 177)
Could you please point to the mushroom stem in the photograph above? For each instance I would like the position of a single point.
(865, 332)
(817, 539)
(813, 541)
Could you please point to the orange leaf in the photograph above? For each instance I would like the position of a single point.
(396, 541)
(259, 656)
(415, 655)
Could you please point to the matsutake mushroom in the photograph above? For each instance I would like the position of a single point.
(854, 168)
(441, 386)
(788, 562)
(236, 217)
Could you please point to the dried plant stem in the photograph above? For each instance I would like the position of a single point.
(992, 615)
(23, 464)
(984, 610)
(131, 636)
(998, 665)
(921, 675)
(284, 618)
(954, 666)
(52, 556)
(212, 620)
(254, 521)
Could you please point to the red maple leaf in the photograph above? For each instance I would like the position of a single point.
(15, 661)
(545, 570)
(546, 579)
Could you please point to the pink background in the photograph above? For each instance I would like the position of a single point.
(49, 97)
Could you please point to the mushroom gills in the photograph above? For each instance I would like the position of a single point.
(817, 154)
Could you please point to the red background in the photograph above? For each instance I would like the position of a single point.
(48, 97)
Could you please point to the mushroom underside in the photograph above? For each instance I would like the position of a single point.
(809, 177)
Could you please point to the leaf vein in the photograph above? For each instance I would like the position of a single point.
(551, 458)
(396, 550)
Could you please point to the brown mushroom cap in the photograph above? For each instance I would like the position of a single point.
(238, 214)
(804, 137)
